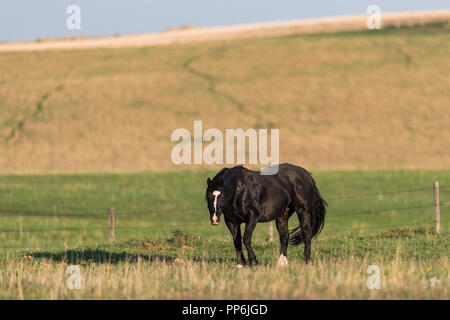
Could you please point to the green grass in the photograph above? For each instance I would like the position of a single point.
(163, 250)
(71, 210)
(415, 245)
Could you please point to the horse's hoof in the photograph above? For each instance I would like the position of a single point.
(282, 261)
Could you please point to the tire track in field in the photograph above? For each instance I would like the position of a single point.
(20, 125)
(187, 65)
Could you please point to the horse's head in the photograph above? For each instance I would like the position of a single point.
(216, 200)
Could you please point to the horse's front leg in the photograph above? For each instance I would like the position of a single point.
(235, 229)
(249, 228)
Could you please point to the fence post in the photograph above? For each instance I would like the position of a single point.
(111, 225)
(437, 213)
(270, 231)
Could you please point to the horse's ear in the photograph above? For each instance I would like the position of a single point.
(208, 182)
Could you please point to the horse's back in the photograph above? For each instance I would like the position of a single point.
(290, 180)
(292, 170)
(288, 175)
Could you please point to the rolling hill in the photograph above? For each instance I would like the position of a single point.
(346, 100)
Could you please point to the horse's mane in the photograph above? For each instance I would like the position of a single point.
(218, 179)
(237, 178)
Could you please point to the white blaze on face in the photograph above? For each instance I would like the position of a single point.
(215, 194)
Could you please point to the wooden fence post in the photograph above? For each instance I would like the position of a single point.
(111, 225)
(437, 213)
(270, 231)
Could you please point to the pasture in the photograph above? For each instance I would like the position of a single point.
(166, 248)
(85, 130)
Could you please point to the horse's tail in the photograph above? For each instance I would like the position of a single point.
(317, 211)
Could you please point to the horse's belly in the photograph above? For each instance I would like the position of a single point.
(235, 217)
(272, 210)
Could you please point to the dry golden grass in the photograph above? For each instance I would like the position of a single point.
(29, 279)
(341, 101)
(413, 264)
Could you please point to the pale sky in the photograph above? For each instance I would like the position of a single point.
(28, 20)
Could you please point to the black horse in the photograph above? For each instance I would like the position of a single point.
(245, 196)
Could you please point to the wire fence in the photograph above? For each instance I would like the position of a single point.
(97, 215)
(385, 193)
(394, 210)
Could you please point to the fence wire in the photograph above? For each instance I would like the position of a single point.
(102, 215)
(393, 210)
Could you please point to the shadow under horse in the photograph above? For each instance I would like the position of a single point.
(246, 196)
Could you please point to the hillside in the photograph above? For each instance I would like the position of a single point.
(349, 100)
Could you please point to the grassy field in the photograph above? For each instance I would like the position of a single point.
(413, 265)
(349, 100)
(166, 248)
(75, 125)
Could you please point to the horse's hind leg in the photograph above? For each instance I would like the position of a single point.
(306, 231)
(283, 230)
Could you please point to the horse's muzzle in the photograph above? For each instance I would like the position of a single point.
(215, 220)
